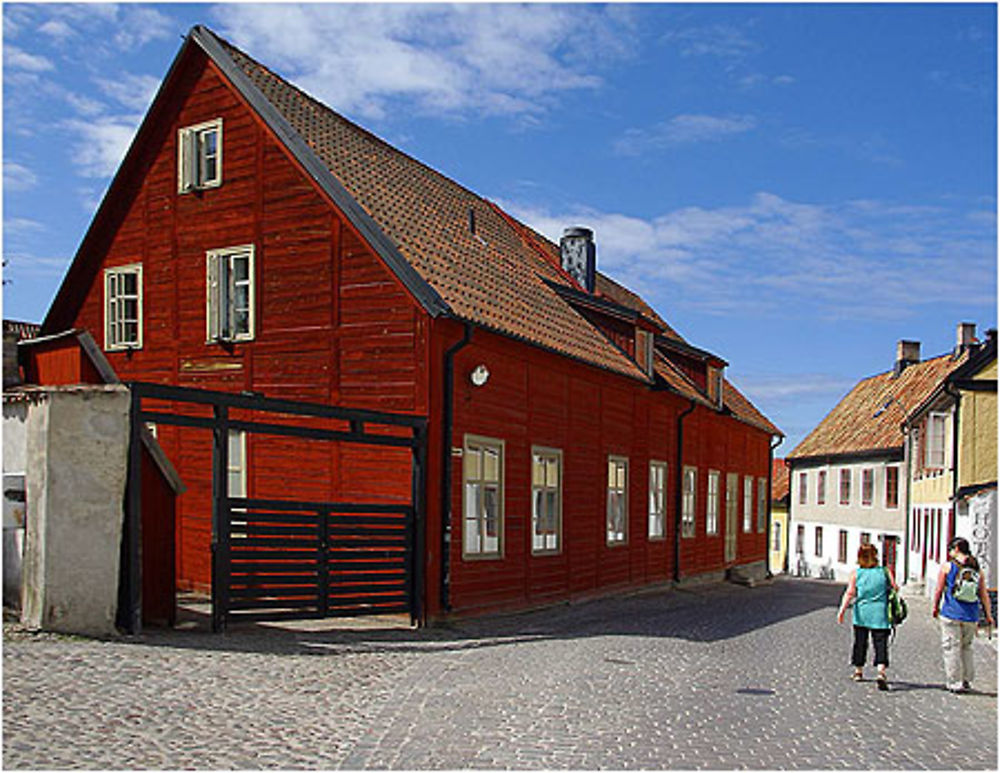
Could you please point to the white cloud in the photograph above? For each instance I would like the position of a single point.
(718, 40)
(494, 59)
(15, 58)
(133, 91)
(683, 130)
(18, 177)
(101, 143)
(780, 258)
(57, 29)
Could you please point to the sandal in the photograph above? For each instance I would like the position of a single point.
(858, 676)
(882, 682)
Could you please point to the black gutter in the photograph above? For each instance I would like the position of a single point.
(446, 439)
(678, 496)
(770, 483)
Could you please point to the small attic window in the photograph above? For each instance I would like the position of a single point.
(644, 351)
(199, 156)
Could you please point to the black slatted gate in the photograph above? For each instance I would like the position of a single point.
(290, 559)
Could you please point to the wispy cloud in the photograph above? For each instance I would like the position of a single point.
(15, 58)
(717, 40)
(101, 143)
(18, 177)
(683, 130)
(463, 60)
(787, 259)
(134, 92)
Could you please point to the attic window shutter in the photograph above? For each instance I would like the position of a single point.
(186, 160)
(213, 300)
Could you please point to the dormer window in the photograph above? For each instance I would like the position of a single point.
(644, 350)
(199, 156)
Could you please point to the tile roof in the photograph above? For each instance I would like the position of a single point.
(869, 418)
(496, 277)
(779, 480)
(491, 277)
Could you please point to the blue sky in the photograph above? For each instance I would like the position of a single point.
(794, 187)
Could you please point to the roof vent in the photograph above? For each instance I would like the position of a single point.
(907, 353)
(578, 255)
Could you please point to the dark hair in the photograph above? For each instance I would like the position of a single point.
(867, 556)
(961, 543)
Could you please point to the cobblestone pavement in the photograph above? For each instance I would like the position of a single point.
(712, 677)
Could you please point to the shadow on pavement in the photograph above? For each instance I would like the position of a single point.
(699, 614)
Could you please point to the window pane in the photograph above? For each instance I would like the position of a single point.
(552, 473)
(491, 510)
(491, 465)
(537, 471)
(472, 461)
(241, 267)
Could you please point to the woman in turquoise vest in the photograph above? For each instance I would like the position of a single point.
(868, 587)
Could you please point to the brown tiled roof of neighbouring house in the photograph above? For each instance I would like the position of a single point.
(779, 480)
(869, 418)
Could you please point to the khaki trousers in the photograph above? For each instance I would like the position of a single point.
(956, 645)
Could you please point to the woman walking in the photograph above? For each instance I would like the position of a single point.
(868, 587)
(959, 618)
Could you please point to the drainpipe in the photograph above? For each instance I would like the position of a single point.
(446, 431)
(679, 495)
(770, 499)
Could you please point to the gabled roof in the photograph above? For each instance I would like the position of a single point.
(458, 254)
(978, 358)
(868, 419)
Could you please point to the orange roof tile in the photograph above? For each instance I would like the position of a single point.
(870, 416)
(779, 480)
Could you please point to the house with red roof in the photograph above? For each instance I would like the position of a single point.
(849, 477)
(255, 242)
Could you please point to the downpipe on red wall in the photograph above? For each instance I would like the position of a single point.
(679, 494)
(448, 419)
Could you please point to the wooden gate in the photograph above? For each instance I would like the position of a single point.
(278, 559)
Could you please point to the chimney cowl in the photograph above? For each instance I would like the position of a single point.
(907, 353)
(578, 256)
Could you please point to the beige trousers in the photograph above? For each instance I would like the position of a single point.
(956, 644)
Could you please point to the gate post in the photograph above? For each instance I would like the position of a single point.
(220, 518)
(130, 571)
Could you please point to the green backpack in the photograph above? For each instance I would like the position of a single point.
(966, 585)
(897, 604)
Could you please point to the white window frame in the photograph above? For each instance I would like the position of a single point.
(747, 503)
(192, 158)
(215, 307)
(937, 443)
(617, 485)
(689, 501)
(547, 543)
(761, 504)
(657, 526)
(478, 551)
(114, 300)
(869, 474)
(712, 502)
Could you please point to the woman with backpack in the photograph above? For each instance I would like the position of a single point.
(868, 586)
(963, 588)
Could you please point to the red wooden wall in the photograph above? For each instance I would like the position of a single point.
(333, 325)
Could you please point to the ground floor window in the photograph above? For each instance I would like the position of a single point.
(617, 510)
(482, 533)
(712, 503)
(546, 500)
(688, 501)
(747, 503)
(657, 500)
(842, 547)
(819, 541)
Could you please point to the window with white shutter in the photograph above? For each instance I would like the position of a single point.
(123, 307)
(199, 156)
(230, 294)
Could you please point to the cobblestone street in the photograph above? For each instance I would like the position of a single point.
(712, 677)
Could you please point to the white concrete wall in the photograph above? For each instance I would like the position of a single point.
(77, 454)
(15, 421)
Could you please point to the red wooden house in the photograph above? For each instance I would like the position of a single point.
(253, 240)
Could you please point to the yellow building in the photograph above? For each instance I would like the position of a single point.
(778, 538)
(952, 465)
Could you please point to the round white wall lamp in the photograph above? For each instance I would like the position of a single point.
(480, 375)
